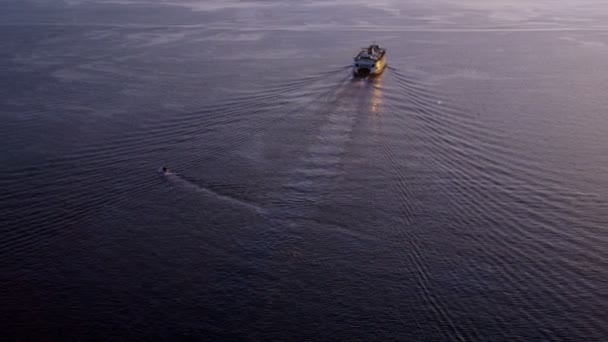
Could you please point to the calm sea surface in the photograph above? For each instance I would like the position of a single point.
(462, 195)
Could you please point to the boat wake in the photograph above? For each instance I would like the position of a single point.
(182, 183)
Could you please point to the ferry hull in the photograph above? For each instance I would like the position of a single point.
(368, 70)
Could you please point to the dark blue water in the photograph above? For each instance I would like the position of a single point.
(462, 195)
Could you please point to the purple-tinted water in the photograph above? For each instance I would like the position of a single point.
(461, 195)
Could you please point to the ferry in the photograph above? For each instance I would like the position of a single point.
(370, 61)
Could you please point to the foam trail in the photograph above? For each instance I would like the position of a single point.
(175, 179)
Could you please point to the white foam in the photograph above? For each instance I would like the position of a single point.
(185, 184)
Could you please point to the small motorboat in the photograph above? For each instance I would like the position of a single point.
(370, 61)
(164, 171)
